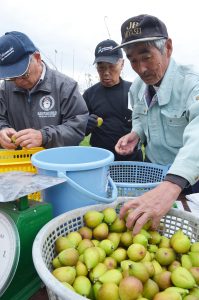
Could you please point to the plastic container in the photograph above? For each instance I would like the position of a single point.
(19, 160)
(135, 178)
(43, 246)
(86, 170)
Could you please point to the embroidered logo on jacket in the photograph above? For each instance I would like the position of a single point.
(47, 103)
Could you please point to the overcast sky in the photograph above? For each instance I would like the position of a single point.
(67, 31)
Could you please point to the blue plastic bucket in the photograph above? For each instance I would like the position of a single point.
(86, 170)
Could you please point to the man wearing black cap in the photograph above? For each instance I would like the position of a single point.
(38, 106)
(165, 117)
(108, 100)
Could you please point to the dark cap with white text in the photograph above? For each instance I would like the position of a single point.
(104, 52)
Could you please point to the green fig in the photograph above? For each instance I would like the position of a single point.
(108, 291)
(81, 269)
(181, 244)
(147, 257)
(138, 270)
(126, 238)
(63, 243)
(140, 239)
(84, 244)
(110, 262)
(68, 257)
(115, 238)
(163, 280)
(136, 252)
(92, 218)
(195, 273)
(113, 275)
(82, 286)
(56, 263)
(109, 215)
(130, 288)
(155, 237)
(97, 271)
(164, 242)
(100, 232)
(66, 274)
(167, 296)
(96, 287)
(99, 121)
(174, 265)
(107, 245)
(186, 261)
(194, 256)
(157, 267)
(152, 248)
(150, 289)
(102, 254)
(194, 291)
(165, 256)
(75, 237)
(86, 232)
(91, 257)
(69, 286)
(190, 297)
(118, 226)
(182, 278)
(181, 291)
(150, 268)
(119, 254)
(195, 247)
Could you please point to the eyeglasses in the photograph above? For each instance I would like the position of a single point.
(26, 75)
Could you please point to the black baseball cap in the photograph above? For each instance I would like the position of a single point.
(104, 52)
(15, 52)
(142, 28)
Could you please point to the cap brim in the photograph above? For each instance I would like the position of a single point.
(139, 40)
(15, 70)
(108, 59)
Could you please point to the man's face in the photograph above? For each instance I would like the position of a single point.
(30, 78)
(109, 73)
(148, 62)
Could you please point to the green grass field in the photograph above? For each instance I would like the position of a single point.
(85, 141)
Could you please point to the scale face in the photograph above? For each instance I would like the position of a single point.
(9, 250)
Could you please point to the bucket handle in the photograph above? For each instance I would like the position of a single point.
(90, 194)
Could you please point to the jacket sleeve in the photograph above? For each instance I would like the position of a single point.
(74, 117)
(3, 108)
(186, 163)
(136, 123)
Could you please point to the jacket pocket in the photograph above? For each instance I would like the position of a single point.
(174, 124)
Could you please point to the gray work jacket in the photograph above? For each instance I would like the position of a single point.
(54, 106)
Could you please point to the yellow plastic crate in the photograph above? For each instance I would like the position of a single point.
(19, 160)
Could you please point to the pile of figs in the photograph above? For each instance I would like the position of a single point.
(104, 261)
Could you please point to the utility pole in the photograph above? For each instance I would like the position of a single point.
(105, 19)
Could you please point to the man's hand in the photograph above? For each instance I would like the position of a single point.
(6, 141)
(127, 143)
(152, 205)
(28, 138)
(92, 123)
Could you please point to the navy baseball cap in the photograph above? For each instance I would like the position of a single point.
(142, 28)
(104, 52)
(15, 51)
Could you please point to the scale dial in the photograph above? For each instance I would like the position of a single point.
(9, 250)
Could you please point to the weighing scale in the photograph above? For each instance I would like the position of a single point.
(20, 221)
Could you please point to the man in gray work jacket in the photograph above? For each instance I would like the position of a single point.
(38, 106)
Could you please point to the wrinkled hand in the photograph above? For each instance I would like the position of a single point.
(5, 138)
(28, 138)
(152, 205)
(127, 143)
(92, 123)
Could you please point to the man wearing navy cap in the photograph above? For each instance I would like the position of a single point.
(38, 106)
(165, 97)
(108, 99)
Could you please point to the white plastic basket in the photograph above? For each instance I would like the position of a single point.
(134, 178)
(44, 252)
